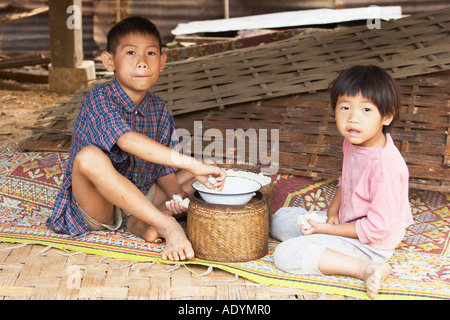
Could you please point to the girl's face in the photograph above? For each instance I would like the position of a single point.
(359, 121)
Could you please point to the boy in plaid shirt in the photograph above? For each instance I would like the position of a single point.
(123, 159)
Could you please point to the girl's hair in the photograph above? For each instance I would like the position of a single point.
(372, 83)
(131, 25)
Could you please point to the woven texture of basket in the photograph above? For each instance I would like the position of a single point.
(228, 233)
(267, 193)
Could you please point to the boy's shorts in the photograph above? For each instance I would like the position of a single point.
(121, 215)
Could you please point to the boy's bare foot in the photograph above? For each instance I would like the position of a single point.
(374, 276)
(143, 230)
(177, 246)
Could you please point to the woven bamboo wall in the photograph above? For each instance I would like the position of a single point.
(310, 144)
(283, 85)
(405, 47)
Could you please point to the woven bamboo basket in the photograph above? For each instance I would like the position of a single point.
(267, 193)
(228, 233)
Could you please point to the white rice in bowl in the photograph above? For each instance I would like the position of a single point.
(258, 177)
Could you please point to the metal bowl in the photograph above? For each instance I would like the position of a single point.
(236, 191)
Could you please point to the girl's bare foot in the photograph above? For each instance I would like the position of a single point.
(374, 276)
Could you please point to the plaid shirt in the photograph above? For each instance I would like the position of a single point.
(105, 115)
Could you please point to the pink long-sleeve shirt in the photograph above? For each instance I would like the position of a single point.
(374, 192)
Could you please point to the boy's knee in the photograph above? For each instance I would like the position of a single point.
(90, 158)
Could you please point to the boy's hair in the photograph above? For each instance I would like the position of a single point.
(131, 25)
(373, 83)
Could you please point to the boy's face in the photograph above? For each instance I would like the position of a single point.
(136, 63)
(360, 122)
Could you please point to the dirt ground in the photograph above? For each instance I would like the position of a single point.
(20, 105)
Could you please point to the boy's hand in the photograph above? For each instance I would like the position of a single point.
(176, 205)
(203, 171)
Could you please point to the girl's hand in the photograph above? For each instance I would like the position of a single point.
(332, 218)
(344, 230)
(316, 227)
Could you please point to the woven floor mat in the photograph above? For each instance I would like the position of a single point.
(29, 183)
(37, 272)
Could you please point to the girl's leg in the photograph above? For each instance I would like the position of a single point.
(373, 273)
(320, 254)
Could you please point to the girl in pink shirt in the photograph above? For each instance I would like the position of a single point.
(370, 211)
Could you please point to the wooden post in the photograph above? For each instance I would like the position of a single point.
(69, 71)
(66, 37)
(226, 8)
